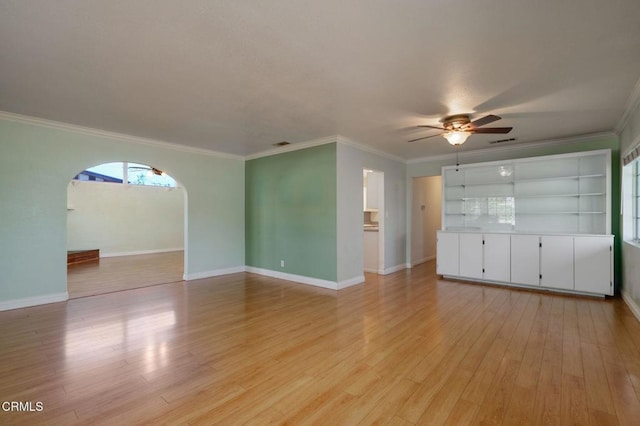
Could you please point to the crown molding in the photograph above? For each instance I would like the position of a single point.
(293, 147)
(346, 141)
(515, 147)
(322, 141)
(633, 102)
(57, 125)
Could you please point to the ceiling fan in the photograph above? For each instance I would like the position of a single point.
(457, 128)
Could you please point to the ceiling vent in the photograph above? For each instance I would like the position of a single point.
(503, 140)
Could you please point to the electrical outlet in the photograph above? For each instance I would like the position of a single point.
(282, 263)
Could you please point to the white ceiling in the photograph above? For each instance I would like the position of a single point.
(239, 76)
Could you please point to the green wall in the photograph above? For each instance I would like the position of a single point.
(290, 210)
(38, 161)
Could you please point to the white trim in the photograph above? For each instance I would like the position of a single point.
(635, 144)
(346, 141)
(76, 182)
(323, 141)
(633, 306)
(350, 282)
(531, 287)
(293, 147)
(392, 269)
(33, 301)
(606, 152)
(214, 273)
(9, 116)
(373, 271)
(139, 252)
(292, 277)
(633, 102)
(514, 147)
(423, 260)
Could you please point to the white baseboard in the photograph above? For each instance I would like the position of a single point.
(423, 260)
(350, 282)
(393, 269)
(292, 277)
(214, 273)
(33, 301)
(374, 271)
(633, 306)
(138, 252)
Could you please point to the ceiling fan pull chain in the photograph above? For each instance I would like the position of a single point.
(457, 162)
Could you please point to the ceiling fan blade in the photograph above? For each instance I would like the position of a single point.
(492, 130)
(425, 137)
(432, 127)
(484, 121)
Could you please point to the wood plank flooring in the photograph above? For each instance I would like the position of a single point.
(124, 273)
(406, 349)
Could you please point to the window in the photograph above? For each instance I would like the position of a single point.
(494, 210)
(636, 200)
(129, 173)
(631, 196)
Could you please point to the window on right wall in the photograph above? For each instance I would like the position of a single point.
(636, 199)
(631, 197)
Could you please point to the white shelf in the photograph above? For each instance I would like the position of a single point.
(554, 213)
(592, 194)
(572, 177)
(575, 185)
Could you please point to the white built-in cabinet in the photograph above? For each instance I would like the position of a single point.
(483, 256)
(541, 221)
(556, 262)
(564, 194)
(593, 254)
(449, 244)
(470, 255)
(525, 259)
(497, 257)
(571, 263)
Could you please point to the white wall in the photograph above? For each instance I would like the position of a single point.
(426, 217)
(350, 162)
(124, 219)
(629, 139)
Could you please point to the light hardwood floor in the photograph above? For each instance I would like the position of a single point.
(124, 273)
(402, 349)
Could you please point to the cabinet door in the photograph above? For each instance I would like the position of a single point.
(497, 257)
(593, 264)
(525, 259)
(371, 251)
(373, 188)
(556, 262)
(447, 254)
(471, 255)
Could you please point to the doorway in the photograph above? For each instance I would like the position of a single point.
(426, 217)
(132, 217)
(373, 220)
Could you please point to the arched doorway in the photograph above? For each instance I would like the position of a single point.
(126, 227)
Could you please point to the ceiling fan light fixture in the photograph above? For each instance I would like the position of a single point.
(456, 137)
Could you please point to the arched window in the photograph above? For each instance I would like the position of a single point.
(128, 174)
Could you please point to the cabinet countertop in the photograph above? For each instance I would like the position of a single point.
(479, 231)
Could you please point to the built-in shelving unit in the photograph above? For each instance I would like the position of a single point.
(566, 193)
